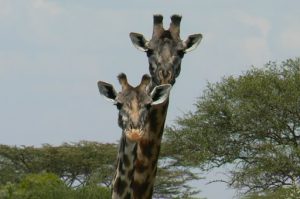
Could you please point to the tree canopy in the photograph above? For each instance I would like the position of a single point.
(251, 122)
(74, 163)
(77, 169)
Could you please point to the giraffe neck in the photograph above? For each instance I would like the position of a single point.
(147, 154)
(121, 183)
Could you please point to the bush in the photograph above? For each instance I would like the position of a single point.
(92, 192)
(50, 186)
(36, 186)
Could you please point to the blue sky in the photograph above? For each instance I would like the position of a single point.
(52, 54)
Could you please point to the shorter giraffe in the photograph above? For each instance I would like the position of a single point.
(134, 105)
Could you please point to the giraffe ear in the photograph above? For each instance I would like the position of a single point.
(108, 91)
(160, 94)
(139, 41)
(192, 42)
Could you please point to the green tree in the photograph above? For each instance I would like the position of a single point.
(251, 122)
(79, 163)
(76, 164)
(50, 186)
(291, 192)
(87, 168)
(172, 180)
(36, 186)
(92, 191)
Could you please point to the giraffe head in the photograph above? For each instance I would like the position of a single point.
(165, 50)
(134, 103)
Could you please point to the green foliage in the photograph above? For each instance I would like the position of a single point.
(35, 187)
(171, 180)
(75, 163)
(251, 121)
(92, 192)
(280, 193)
(50, 186)
(81, 170)
(85, 168)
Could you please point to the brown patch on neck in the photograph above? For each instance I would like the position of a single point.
(120, 186)
(148, 150)
(146, 147)
(124, 170)
(141, 190)
(157, 120)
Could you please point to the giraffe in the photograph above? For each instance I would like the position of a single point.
(165, 51)
(134, 105)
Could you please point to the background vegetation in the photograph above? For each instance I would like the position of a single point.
(250, 122)
(78, 170)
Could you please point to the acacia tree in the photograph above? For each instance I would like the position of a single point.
(252, 122)
(49, 186)
(172, 180)
(75, 163)
(85, 165)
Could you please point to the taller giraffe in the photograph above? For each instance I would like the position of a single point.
(165, 51)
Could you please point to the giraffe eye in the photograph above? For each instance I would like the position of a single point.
(148, 106)
(119, 105)
(149, 52)
(180, 53)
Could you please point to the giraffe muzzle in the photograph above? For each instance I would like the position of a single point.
(165, 76)
(134, 134)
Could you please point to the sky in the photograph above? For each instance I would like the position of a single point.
(53, 52)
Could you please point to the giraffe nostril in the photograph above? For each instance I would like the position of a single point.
(169, 74)
(160, 74)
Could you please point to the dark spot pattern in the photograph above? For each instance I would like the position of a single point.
(155, 171)
(126, 160)
(120, 186)
(128, 196)
(147, 148)
(124, 169)
(120, 168)
(151, 191)
(153, 120)
(122, 144)
(130, 174)
(140, 189)
(140, 167)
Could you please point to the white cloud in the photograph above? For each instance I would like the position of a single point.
(256, 50)
(254, 45)
(5, 8)
(49, 6)
(260, 23)
(14, 8)
(290, 38)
